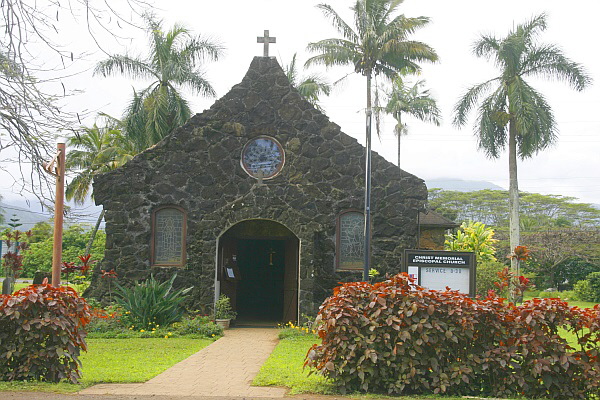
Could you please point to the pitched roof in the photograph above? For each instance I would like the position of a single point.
(431, 218)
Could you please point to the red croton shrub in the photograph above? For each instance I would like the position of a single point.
(41, 334)
(399, 338)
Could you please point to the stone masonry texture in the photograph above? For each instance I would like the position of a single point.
(198, 168)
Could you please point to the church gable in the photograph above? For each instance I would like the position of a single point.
(205, 170)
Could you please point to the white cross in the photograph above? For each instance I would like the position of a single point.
(266, 40)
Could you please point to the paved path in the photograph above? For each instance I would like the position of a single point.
(224, 368)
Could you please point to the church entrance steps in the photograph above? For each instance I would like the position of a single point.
(225, 368)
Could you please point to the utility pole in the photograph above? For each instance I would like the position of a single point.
(56, 167)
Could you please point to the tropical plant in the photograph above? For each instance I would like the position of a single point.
(94, 151)
(395, 338)
(42, 334)
(414, 101)
(378, 45)
(310, 87)
(172, 64)
(515, 114)
(151, 303)
(475, 237)
(17, 243)
(223, 309)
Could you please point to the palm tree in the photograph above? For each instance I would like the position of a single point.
(95, 150)
(514, 114)
(171, 64)
(414, 101)
(310, 87)
(377, 45)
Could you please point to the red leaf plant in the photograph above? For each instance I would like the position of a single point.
(398, 338)
(42, 334)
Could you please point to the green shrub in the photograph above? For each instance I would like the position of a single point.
(151, 303)
(594, 280)
(583, 291)
(397, 338)
(41, 334)
(223, 309)
(201, 326)
(487, 274)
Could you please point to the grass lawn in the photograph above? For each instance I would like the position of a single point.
(284, 368)
(120, 361)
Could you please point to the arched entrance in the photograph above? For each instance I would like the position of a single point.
(257, 267)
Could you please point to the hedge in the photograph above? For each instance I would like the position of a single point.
(41, 334)
(398, 338)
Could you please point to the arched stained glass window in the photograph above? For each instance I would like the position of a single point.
(350, 240)
(169, 229)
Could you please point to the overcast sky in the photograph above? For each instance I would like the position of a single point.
(571, 167)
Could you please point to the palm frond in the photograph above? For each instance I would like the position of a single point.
(124, 65)
(468, 100)
(338, 23)
(533, 118)
(492, 123)
(549, 61)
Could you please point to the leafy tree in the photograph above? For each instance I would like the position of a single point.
(562, 256)
(310, 87)
(538, 211)
(41, 231)
(515, 114)
(173, 63)
(34, 49)
(475, 237)
(377, 45)
(414, 101)
(75, 240)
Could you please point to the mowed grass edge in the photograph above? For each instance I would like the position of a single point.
(120, 361)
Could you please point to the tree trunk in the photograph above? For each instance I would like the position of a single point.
(367, 229)
(399, 133)
(88, 248)
(513, 193)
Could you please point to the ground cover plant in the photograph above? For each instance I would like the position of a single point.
(395, 337)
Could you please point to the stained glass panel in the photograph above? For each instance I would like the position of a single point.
(168, 237)
(351, 240)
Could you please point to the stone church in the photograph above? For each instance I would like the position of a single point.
(259, 197)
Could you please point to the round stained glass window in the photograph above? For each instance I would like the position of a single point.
(263, 157)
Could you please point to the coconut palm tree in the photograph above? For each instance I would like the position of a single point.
(93, 151)
(514, 114)
(414, 101)
(378, 44)
(310, 87)
(172, 63)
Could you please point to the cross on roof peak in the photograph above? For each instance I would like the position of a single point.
(266, 39)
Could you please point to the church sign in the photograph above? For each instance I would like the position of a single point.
(440, 269)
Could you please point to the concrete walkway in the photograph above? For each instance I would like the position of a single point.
(225, 368)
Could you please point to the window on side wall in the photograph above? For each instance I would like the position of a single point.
(350, 246)
(168, 236)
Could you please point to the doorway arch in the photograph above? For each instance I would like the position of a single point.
(258, 268)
